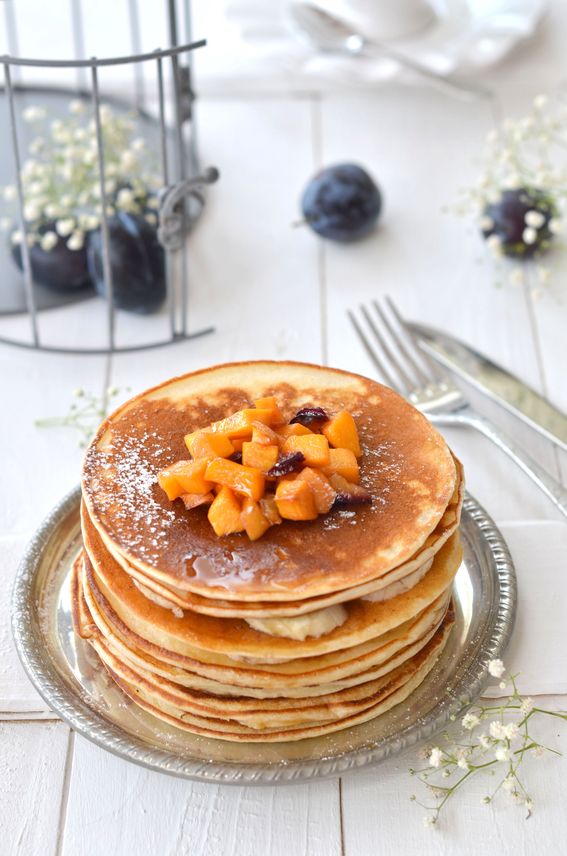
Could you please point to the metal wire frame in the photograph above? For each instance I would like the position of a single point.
(175, 221)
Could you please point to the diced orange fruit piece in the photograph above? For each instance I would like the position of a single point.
(270, 510)
(240, 423)
(202, 444)
(295, 500)
(253, 519)
(185, 477)
(295, 430)
(237, 443)
(224, 513)
(264, 434)
(269, 403)
(342, 434)
(356, 492)
(343, 462)
(259, 456)
(192, 500)
(315, 448)
(246, 480)
(323, 494)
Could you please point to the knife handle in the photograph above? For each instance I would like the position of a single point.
(553, 489)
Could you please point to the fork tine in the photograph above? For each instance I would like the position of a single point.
(421, 375)
(407, 382)
(371, 351)
(436, 373)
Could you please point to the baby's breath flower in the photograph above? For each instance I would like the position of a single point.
(502, 753)
(31, 211)
(484, 741)
(128, 160)
(48, 240)
(495, 244)
(511, 731)
(529, 235)
(76, 241)
(534, 218)
(429, 821)
(138, 144)
(65, 227)
(555, 226)
(538, 752)
(435, 757)
(503, 684)
(77, 107)
(496, 730)
(470, 721)
(526, 706)
(486, 223)
(496, 668)
(463, 763)
(34, 114)
(509, 784)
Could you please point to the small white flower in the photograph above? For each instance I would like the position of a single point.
(151, 219)
(428, 821)
(529, 235)
(495, 244)
(496, 668)
(463, 763)
(486, 223)
(538, 752)
(511, 731)
(502, 753)
(512, 182)
(555, 225)
(89, 222)
(65, 227)
(126, 200)
(526, 706)
(9, 193)
(435, 757)
(34, 114)
(48, 240)
(153, 202)
(540, 101)
(31, 211)
(76, 241)
(76, 106)
(128, 160)
(496, 730)
(445, 774)
(508, 784)
(36, 146)
(52, 210)
(502, 685)
(470, 721)
(534, 218)
(484, 741)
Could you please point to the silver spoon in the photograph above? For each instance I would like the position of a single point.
(328, 33)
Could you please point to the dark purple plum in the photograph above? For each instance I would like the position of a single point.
(137, 262)
(60, 268)
(286, 464)
(506, 219)
(309, 415)
(342, 202)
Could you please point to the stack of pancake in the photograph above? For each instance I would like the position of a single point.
(316, 626)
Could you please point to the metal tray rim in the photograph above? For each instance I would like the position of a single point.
(92, 725)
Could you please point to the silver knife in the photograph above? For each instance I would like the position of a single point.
(494, 381)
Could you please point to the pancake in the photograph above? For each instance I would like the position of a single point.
(400, 684)
(174, 597)
(211, 639)
(318, 675)
(406, 466)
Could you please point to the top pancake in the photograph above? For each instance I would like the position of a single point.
(406, 465)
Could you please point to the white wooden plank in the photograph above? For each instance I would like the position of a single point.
(17, 695)
(252, 275)
(119, 808)
(380, 820)
(429, 262)
(32, 771)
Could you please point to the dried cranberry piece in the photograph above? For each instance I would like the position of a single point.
(236, 457)
(286, 464)
(345, 500)
(308, 415)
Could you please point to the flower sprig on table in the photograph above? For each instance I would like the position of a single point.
(519, 200)
(60, 178)
(495, 738)
(86, 412)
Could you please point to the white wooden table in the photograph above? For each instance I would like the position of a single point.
(276, 292)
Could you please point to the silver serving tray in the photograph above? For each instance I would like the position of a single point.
(67, 673)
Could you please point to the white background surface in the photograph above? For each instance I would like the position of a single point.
(276, 292)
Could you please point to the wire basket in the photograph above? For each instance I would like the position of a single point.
(168, 74)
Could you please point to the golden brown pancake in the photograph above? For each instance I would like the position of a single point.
(406, 466)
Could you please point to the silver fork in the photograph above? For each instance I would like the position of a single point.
(393, 348)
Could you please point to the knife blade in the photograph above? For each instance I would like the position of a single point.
(494, 381)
